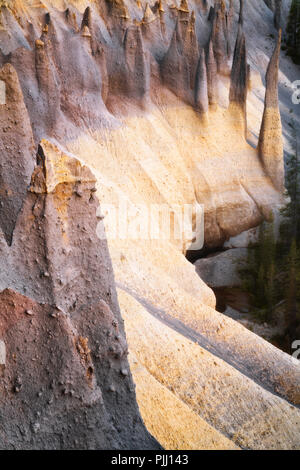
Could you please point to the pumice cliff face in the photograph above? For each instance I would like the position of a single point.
(151, 103)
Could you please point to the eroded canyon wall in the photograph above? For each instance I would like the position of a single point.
(151, 104)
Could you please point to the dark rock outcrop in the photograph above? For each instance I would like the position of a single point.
(241, 16)
(183, 17)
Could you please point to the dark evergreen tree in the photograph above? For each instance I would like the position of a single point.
(259, 274)
(291, 307)
(290, 226)
(272, 274)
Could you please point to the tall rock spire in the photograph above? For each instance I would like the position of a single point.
(151, 25)
(120, 16)
(138, 70)
(230, 16)
(48, 85)
(87, 28)
(219, 39)
(201, 93)
(212, 76)
(191, 50)
(148, 15)
(174, 68)
(87, 18)
(161, 12)
(239, 81)
(183, 17)
(16, 152)
(270, 144)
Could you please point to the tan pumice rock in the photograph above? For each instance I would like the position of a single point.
(161, 7)
(230, 16)
(48, 85)
(85, 32)
(149, 16)
(119, 9)
(183, 17)
(250, 415)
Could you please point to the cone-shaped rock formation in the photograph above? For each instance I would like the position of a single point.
(270, 145)
(16, 152)
(201, 93)
(138, 73)
(212, 78)
(175, 70)
(239, 80)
